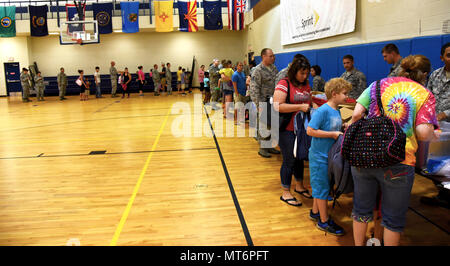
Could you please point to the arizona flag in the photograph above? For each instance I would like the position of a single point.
(163, 15)
(236, 9)
(187, 11)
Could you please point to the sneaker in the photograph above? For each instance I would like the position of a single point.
(330, 227)
(314, 216)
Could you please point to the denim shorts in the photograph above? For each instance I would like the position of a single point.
(395, 183)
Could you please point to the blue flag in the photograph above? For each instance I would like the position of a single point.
(212, 15)
(38, 20)
(130, 16)
(103, 15)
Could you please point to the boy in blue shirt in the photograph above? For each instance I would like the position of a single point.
(325, 127)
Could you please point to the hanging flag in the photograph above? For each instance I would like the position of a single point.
(130, 16)
(163, 15)
(187, 11)
(72, 14)
(150, 8)
(103, 15)
(7, 21)
(38, 20)
(236, 9)
(212, 13)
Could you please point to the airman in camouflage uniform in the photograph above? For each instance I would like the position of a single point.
(156, 79)
(262, 87)
(439, 84)
(113, 74)
(354, 76)
(25, 80)
(214, 77)
(62, 84)
(39, 84)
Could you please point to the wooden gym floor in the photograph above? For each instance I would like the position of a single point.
(151, 188)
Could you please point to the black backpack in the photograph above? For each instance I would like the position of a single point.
(339, 172)
(375, 142)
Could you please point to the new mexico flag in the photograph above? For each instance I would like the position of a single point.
(164, 15)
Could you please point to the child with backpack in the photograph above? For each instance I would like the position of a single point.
(324, 128)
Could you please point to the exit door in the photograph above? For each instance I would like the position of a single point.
(12, 75)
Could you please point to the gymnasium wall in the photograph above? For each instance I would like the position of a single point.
(376, 21)
(128, 50)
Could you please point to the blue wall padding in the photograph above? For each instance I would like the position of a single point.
(368, 57)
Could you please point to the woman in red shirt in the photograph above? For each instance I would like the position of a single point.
(299, 100)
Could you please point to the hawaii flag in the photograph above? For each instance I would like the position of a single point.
(187, 11)
(236, 9)
(163, 15)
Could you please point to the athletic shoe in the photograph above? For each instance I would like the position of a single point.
(314, 216)
(273, 151)
(264, 153)
(330, 227)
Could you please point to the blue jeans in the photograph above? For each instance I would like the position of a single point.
(98, 91)
(395, 183)
(290, 164)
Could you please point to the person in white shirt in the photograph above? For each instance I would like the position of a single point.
(97, 80)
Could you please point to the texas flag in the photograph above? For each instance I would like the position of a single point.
(188, 15)
(236, 10)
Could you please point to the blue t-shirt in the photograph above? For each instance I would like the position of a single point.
(327, 119)
(239, 78)
(206, 81)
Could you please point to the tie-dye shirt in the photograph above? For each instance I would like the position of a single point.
(406, 102)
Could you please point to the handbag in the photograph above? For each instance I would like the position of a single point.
(375, 142)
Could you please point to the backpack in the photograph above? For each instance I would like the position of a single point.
(375, 142)
(339, 172)
(302, 140)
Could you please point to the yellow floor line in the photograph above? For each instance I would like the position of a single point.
(138, 184)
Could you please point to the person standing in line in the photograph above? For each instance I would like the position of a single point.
(113, 73)
(354, 76)
(39, 81)
(207, 89)
(262, 87)
(97, 80)
(141, 79)
(25, 81)
(179, 72)
(125, 81)
(318, 81)
(183, 81)
(391, 55)
(214, 77)
(81, 82)
(156, 79)
(169, 79)
(201, 76)
(62, 84)
(163, 77)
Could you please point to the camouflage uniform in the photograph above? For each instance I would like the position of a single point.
(39, 81)
(25, 81)
(439, 84)
(113, 73)
(358, 81)
(282, 74)
(62, 84)
(318, 84)
(169, 80)
(262, 87)
(214, 77)
(395, 69)
(156, 80)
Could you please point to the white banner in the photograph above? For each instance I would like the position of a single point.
(306, 20)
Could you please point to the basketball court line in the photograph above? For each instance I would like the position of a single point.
(106, 153)
(138, 185)
(248, 238)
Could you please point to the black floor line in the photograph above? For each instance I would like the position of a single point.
(104, 107)
(230, 185)
(108, 153)
(428, 220)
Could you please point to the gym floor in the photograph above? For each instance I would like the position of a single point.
(111, 172)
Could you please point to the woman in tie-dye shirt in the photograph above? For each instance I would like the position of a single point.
(412, 106)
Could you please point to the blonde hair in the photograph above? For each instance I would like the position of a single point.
(337, 85)
(414, 66)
